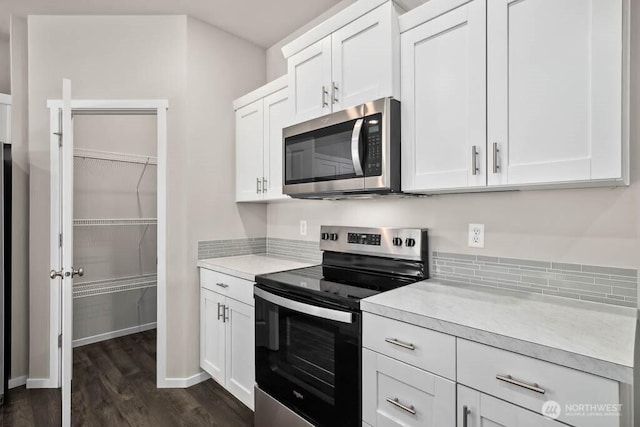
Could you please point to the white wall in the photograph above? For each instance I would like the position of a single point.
(592, 226)
(20, 202)
(220, 68)
(200, 70)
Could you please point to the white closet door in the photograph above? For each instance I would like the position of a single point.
(554, 90)
(66, 242)
(310, 81)
(444, 101)
(363, 61)
(277, 114)
(249, 146)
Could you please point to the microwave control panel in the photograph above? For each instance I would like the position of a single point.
(374, 145)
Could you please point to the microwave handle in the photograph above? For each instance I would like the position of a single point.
(355, 147)
(311, 310)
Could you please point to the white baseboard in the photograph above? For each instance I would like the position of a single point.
(17, 381)
(184, 382)
(113, 334)
(41, 383)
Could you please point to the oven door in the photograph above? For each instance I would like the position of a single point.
(308, 357)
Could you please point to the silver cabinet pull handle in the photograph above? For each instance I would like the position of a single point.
(510, 380)
(474, 160)
(324, 97)
(465, 416)
(334, 91)
(496, 150)
(222, 285)
(220, 314)
(258, 189)
(264, 184)
(400, 343)
(226, 314)
(395, 401)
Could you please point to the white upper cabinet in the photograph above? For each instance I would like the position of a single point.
(310, 80)
(444, 99)
(276, 116)
(249, 146)
(364, 59)
(513, 93)
(555, 90)
(347, 60)
(260, 117)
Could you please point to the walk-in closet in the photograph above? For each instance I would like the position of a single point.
(115, 226)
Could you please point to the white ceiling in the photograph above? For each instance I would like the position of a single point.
(263, 22)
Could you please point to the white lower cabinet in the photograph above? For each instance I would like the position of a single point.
(227, 341)
(413, 376)
(477, 409)
(397, 394)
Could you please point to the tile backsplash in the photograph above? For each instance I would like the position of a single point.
(610, 285)
(300, 250)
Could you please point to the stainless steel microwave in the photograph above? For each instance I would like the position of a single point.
(351, 152)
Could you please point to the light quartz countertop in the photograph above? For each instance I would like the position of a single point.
(249, 266)
(590, 337)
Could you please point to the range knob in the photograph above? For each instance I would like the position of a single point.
(333, 236)
(324, 236)
(410, 242)
(397, 241)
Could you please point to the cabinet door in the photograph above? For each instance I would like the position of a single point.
(212, 334)
(397, 394)
(365, 59)
(554, 90)
(240, 354)
(249, 146)
(444, 101)
(482, 410)
(310, 81)
(277, 114)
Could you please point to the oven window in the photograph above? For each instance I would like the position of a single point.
(309, 354)
(310, 364)
(321, 155)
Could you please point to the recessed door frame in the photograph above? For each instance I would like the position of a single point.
(157, 107)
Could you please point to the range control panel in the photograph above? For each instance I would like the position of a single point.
(403, 243)
(364, 239)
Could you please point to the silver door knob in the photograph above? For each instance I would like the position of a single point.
(53, 274)
(74, 272)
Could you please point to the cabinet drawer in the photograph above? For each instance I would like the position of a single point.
(417, 346)
(397, 394)
(530, 382)
(233, 287)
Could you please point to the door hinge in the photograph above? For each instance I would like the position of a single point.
(60, 341)
(60, 239)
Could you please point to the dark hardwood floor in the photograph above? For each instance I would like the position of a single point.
(114, 384)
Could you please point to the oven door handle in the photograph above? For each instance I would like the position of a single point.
(355, 147)
(311, 310)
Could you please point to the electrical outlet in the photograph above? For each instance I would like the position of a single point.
(303, 227)
(476, 235)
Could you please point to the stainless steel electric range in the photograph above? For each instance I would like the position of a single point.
(308, 324)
